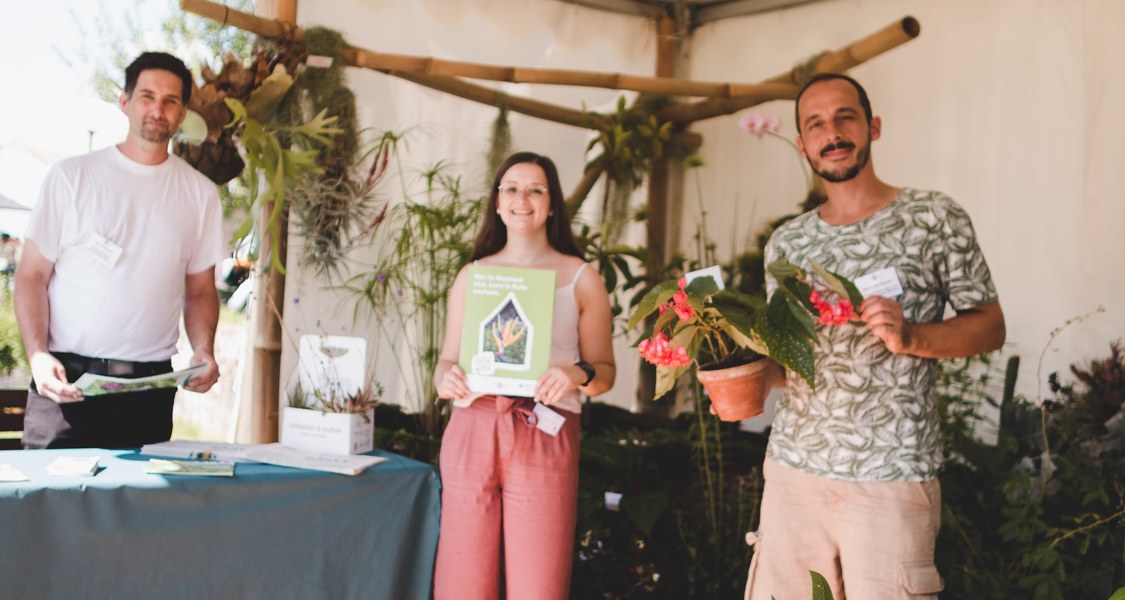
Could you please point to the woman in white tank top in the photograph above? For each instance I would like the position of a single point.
(501, 475)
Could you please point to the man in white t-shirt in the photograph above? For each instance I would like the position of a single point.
(121, 242)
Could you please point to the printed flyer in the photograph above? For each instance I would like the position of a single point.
(506, 336)
(97, 385)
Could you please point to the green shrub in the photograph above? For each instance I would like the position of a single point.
(1041, 514)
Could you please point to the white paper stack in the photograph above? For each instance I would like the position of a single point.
(73, 466)
(10, 473)
(200, 450)
(344, 464)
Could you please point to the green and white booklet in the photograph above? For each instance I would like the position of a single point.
(506, 335)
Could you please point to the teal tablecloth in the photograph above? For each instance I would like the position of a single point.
(269, 532)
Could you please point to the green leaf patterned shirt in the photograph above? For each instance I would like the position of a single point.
(872, 416)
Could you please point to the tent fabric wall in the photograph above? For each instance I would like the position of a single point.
(1010, 106)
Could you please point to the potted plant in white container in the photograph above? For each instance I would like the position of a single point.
(331, 404)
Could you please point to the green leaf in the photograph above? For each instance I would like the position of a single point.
(645, 509)
(786, 345)
(841, 285)
(237, 109)
(801, 318)
(782, 269)
(820, 589)
(736, 308)
(666, 379)
(651, 301)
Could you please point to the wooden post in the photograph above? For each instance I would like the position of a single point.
(665, 197)
(657, 222)
(265, 398)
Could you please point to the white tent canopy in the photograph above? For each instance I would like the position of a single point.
(969, 108)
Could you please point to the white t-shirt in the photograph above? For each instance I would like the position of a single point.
(123, 236)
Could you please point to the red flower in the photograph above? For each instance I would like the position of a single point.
(832, 314)
(659, 351)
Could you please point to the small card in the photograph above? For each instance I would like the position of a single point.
(883, 283)
(73, 466)
(612, 501)
(204, 468)
(10, 473)
(319, 61)
(549, 421)
(103, 250)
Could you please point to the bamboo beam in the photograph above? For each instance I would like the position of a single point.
(686, 113)
(859, 51)
(533, 108)
(484, 95)
(666, 86)
(380, 61)
(788, 84)
(270, 28)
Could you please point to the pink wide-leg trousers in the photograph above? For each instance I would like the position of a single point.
(501, 475)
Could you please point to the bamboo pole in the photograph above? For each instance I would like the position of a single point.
(270, 28)
(533, 108)
(380, 61)
(484, 95)
(786, 85)
(658, 185)
(859, 51)
(265, 399)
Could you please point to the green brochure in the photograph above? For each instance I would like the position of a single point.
(506, 336)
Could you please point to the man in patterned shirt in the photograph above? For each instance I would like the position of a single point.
(851, 469)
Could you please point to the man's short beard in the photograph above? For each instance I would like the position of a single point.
(157, 133)
(850, 173)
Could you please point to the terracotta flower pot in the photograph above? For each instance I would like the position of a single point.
(738, 392)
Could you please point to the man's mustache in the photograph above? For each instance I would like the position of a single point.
(836, 146)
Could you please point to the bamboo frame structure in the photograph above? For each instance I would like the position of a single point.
(723, 98)
(396, 63)
(786, 85)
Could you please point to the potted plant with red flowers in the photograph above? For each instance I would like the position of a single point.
(725, 333)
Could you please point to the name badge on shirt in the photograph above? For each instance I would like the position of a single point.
(883, 283)
(102, 250)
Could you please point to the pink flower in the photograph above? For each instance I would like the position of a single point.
(683, 307)
(680, 303)
(659, 351)
(758, 124)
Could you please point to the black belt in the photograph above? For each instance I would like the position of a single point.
(78, 364)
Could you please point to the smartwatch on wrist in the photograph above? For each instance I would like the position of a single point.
(588, 369)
